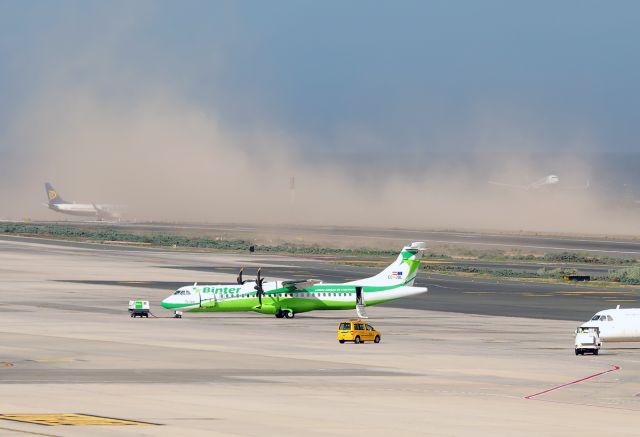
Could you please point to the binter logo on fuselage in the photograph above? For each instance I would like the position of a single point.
(219, 290)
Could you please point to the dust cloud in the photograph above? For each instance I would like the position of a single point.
(165, 159)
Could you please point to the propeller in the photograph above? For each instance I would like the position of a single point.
(239, 279)
(258, 286)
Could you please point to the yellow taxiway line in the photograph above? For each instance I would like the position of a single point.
(69, 419)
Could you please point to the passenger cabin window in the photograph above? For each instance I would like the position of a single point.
(345, 326)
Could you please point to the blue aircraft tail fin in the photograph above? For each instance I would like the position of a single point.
(52, 195)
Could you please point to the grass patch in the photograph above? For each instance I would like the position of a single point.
(158, 239)
(543, 273)
(628, 276)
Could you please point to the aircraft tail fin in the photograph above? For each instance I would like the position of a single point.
(402, 271)
(52, 195)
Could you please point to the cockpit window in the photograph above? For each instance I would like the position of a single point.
(596, 317)
(603, 318)
(609, 319)
(177, 292)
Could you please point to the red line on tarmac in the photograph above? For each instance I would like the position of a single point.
(613, 369)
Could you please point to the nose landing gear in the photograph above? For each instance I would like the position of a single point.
(287, 314)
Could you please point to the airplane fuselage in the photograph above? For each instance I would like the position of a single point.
(78, 209)
(286, 298)
(617, 325)
(234, 297)
(57, 204)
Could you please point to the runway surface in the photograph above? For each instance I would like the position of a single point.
(453, 293)
(69, 346)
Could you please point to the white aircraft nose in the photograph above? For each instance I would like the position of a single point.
(169, 302)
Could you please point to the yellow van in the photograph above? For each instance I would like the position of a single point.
(357, 331)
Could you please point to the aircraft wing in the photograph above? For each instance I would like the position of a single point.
(298, 285)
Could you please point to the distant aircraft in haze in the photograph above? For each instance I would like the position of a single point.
(545, 181)
(58, 204)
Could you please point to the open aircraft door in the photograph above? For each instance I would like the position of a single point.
(360, 303)
(210, 300)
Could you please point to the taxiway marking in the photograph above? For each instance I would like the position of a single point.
(557, 387)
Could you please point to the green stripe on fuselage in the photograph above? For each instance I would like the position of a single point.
(298, 302)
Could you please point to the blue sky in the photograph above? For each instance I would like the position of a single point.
(362, 77)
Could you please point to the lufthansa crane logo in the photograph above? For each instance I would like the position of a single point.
(52, 194)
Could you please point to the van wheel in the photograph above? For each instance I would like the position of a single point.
(341, 341)
(595, 351)
(377, 339)
(357, 340)
(577, 352)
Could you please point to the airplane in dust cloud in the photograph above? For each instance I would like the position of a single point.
(547, 181)
(58, 204)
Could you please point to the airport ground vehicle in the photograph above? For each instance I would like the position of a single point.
(587, 340)
(357, 331)
(139, 308)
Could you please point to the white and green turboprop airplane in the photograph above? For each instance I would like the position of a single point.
(286, 298)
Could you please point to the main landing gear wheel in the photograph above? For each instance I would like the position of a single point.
(279, 314)
(289, 314)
